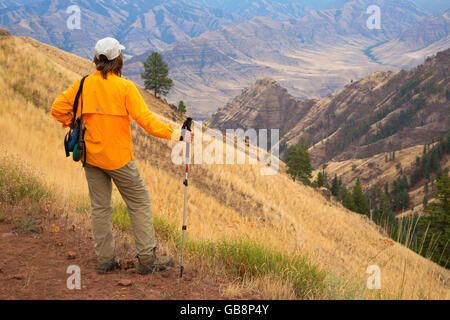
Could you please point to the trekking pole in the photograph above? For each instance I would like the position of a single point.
(186, 126)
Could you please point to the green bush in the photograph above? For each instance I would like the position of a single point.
(25, 226)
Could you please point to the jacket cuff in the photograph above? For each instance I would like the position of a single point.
(176, 135)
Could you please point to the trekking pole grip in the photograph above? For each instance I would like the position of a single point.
(187, 124)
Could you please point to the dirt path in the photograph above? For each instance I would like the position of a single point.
(33, 265)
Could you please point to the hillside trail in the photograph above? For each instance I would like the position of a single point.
(34, 259)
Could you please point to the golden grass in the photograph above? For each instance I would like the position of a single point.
(229, 202)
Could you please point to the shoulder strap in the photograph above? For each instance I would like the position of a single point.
(77, 98)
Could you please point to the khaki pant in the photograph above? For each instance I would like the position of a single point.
(137, 198)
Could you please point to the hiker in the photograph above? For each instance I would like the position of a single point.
(108, 103)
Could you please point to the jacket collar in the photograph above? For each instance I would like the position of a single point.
(99, 73)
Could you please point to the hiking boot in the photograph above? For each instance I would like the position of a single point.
(106, 267)
(154, 264)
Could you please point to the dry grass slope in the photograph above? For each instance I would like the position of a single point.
(376, 171)
(227, 204)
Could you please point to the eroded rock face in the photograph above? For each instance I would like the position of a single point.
(265, 105)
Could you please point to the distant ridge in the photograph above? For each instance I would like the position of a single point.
(382, 112)
(265, 105)
(4, 33)
(312, 56)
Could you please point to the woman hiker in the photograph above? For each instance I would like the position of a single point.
(109, 101)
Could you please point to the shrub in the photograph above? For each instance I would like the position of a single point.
(19, 185)
(25, 226)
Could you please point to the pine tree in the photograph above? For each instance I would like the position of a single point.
(359, 199)
(320, 182)
(326, 183)
(400, 195)
(385, 214)
(348, 200)
(156, 74)
(425, 201)
(437, 221)
(434, 162)
(425, 197)
(335, 186)
(181, 107)
(299, 163)
(341, 190)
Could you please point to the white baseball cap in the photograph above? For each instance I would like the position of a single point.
(109, 47)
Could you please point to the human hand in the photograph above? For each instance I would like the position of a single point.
(188, 136)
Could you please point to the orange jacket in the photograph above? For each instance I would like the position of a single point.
(108, 106)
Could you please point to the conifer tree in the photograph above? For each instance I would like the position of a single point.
(156, 75)
(359, 199)
(299, 163)
(181, 107)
